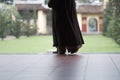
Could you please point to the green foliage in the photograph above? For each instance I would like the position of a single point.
(6, 1)
(12, 23)
(110, 27)
(4, 20)
(2, 26)
(116, 31)
(8, 14)
(29, 30)
(116, 27)
(26, 29)
(111, 24)
(118, 39)
(16, 28)
(29, 22)
(107, 18)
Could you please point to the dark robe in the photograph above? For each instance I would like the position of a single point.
(66, 30)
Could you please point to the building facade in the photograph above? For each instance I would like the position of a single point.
(90, 16)
(41, 11)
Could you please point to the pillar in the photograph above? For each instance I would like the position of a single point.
(84, 24)
(41, 23)
(100, 23)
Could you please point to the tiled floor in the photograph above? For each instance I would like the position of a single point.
(56, 67)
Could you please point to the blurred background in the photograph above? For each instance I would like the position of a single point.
(26, 26)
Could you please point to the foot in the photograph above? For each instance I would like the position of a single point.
(73, 49)
(55, 52)
(61, 50)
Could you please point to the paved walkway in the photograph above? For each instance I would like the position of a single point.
(56, 67)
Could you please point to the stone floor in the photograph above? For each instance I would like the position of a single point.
(57, 67)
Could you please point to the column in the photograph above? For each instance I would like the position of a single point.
(84, 26)
(100, 24)
(41, 23)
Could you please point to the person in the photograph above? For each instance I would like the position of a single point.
(65, 27)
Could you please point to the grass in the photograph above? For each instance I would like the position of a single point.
(99, 43)
(33, 44)
(42, 44)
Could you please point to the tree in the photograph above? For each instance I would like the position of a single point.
(111, 24)
(3, 25)
(116, 27)
(8, 14)
(107, 18)
(16, 28)
(6, 1)
(4, 20)
(14, 25)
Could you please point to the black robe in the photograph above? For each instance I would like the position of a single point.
(66, 30)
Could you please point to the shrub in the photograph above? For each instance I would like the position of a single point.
(8, 14)
(29, 30)
(16, 28)
(4, 19)
(111, 23)
(107, 18)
